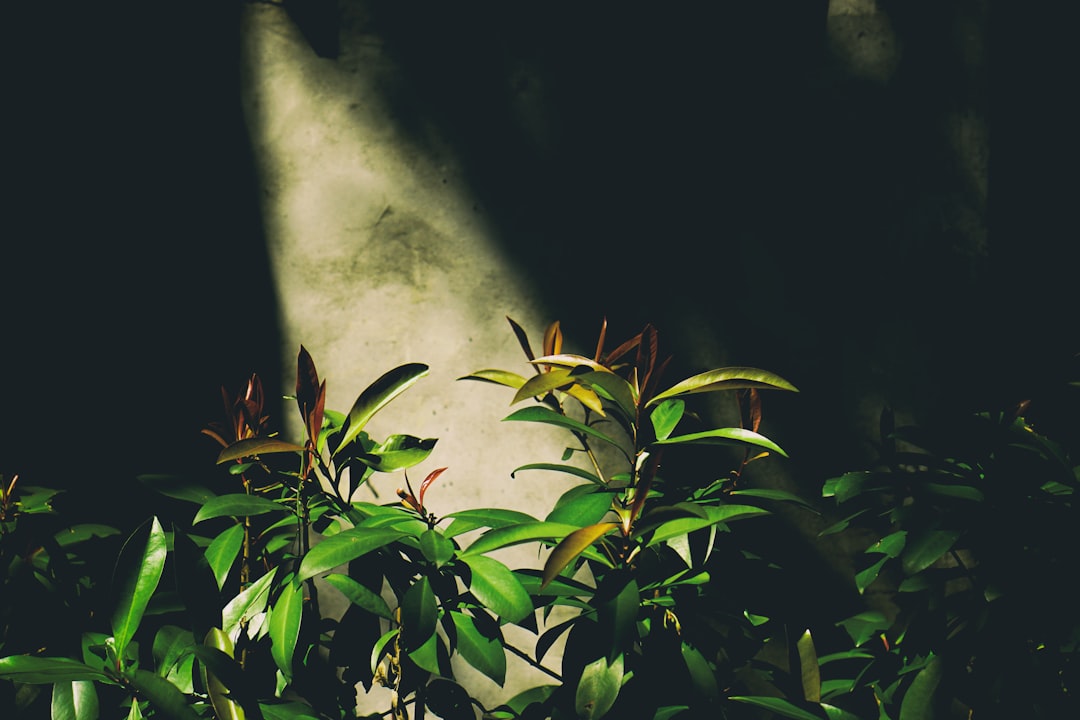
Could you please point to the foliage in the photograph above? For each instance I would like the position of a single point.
(219, 612)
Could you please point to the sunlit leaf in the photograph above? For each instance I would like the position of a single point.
(237, 505)
(865, 578)
(285, 618)
(891, 545)
(558, 467)
(808, 665)
(702, 676)
(399, 452)
(571, 546)
(436, 548)
(426, 656)
(377, 395)
(35, 670)
(562, 360)
(665, 416)
(164, 696)
(542, 384)
(582, 505)
(730, 378)
(74, 700)
(251, 447)
(484, 653)
(715, 514)
(347, 545)
(515, 535)
(611, 386)
(598, 688)
(498, 589)
(466, 520)
(864, 626)
(498, 377)
(223, 551)
(251, 601)
(139, 571)
(725, 436)
(543, 414)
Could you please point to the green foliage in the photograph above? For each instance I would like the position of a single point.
(638, 608)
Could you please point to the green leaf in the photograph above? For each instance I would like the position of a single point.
(498, 589)
(237, 505)
(171, 645)
(465, 520)
(610, 385)
(962, 492)
(666, 416)
(702, 676)
(378, 395)
(248, 604)
(780, 706)
(669, 711)
(82, 532)
(436, 548)
(891, 545)
(571, 546)
(598, 688)
(778, 495)
(220, 674)
(139, 570)
(864, 626)
(285, 618)
(729, 378)
(419, 613)
(426, 656)
(924, 549)
(716, 514)
(345, 547)
(379, 648)
(865, 578)
(918, 702)
(35, 670)
(544, 414)
(223, 551)
(542, 384)
(164, 696)
(484, 653)
(808, 665)
(724, 436)
(74, 700)
(846, 486)
(498, 377)
(617, 603)
(287, 711)
(357, 594)
(399, 452)
(516, 534)
(256, 446)
(582, 505)
(558, 467)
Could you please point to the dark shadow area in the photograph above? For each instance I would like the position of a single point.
(134, 280)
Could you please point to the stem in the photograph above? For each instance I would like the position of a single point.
(525, 656)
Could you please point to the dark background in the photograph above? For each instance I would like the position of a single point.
(709, 170)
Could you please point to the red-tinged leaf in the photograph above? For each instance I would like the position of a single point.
(522, 338)
(619, 352)
(553, 339)
(377, 395)
(307, 382)
(571, 546)
(755, 409)
(432, 477)
(256, 446)
(729, 378)
(600, 340)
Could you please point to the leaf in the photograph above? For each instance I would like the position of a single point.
(701, 675)
(139, 570)
(715, 514)
(515, 535)
(419, 613)
(285, 618)
(724, 436)
(466, 520)
(582, 505)
(865, 578)
(74, 700)
(571, 546)
(237, 505)
(808, 666)
(498, 377)
(557, 467)
(891, 545)
(220, 674)
(82, 532)
(251, 447)
(164, 696)
(543, 414)
(484, 653)
(666, 416)
(399, 452)
(178, 488)
(778, 495)
(610, 385)
(35, 670)
(498, 589)
(918, 702)
(377, 395)
(598, 688)
(247, 604)
(924, 550)
(730, 378)
(864, 626)
(780, 706)
(617, 601)
(542, 384)
(223, 551)
(436, 548)
(347, 545)
(669, 711)
(358, 594)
